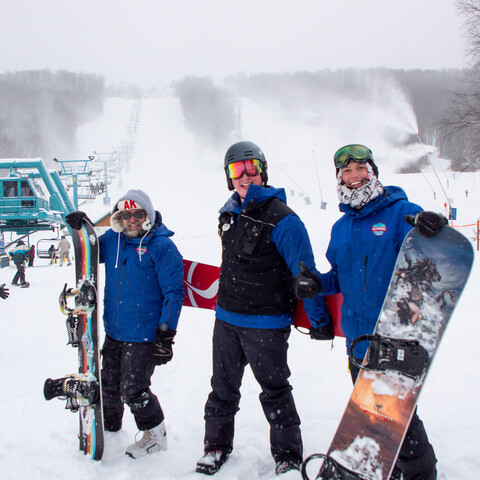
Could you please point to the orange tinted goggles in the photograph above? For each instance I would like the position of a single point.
(251, 167)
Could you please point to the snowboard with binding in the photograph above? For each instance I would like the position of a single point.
(428, 279)
(201, 286)
(83, 390)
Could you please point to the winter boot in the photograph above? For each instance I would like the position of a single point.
(283, 466)
(152, 441)
(211, 462)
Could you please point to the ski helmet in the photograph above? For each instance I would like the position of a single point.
(243, 151)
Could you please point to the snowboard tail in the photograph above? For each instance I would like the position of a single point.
(427, 282)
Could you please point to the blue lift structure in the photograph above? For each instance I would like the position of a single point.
(75, 169)
(25, 207)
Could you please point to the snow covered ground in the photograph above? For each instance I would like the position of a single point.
(186, 183)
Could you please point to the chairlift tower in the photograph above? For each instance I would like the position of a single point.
(109, 157)
(74, 169)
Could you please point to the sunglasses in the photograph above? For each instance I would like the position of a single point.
(138, 215)
(251, 167)
(357, 153)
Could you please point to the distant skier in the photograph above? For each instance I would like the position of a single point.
(31, 255)
(64, 251)
(52, 252)
(19, 254)
(363, 249)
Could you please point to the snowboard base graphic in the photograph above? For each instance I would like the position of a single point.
(428, 279)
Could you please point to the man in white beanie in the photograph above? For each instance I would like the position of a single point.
(143, 298)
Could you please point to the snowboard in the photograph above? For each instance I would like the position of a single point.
(82, 328)
(428, 279)
(201, 287)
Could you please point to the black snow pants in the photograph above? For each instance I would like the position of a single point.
(417, 458)
(266, 352)
(126, 372)
(20, 274)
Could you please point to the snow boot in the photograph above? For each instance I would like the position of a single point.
(283, 466)
(211, 462)
(152, 441)
(24, 285)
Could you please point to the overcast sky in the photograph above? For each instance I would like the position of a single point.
(151, 42)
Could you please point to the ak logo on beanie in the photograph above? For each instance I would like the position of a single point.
(128, 205)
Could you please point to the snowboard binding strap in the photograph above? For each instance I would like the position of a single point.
(73, 330)
(404, 356)
(85, 299)
(77, 390)
(330, 469)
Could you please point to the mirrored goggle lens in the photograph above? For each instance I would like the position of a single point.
(359, 153)
(251, 167)
(137, 215)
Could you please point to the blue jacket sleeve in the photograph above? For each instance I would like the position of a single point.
(291, 239)
(169, 268)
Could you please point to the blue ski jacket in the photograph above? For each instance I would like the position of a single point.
(143, 283)
(291, 239)
(19, 253)
(363, 249)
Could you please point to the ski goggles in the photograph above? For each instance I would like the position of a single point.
(251, 167)
(358, 153)
(138, 215)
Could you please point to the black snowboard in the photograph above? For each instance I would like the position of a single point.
(83, 390)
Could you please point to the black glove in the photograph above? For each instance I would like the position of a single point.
(427, 224)
(163, 346)
(4, 293)
(322, 333)
(75, 219)
(307, 283)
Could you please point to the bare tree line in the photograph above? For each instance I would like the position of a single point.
(461, 127)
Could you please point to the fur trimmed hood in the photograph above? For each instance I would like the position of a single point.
(133, 199)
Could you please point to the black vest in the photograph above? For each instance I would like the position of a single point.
(254, 277)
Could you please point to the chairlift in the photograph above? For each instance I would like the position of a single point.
(44, 244)
(24, 205)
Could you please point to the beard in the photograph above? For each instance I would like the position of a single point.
(133, 234)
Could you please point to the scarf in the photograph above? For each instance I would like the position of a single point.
(359, 197)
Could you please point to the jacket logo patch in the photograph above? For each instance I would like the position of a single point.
(379, 229)
(141, 250)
